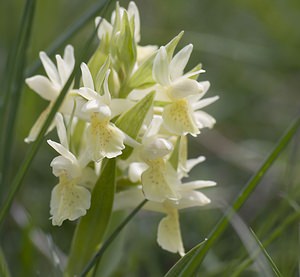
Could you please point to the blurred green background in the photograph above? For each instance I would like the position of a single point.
(250, 50)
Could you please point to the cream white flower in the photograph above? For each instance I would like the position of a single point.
(155, 173)
(104, 139)
(169, 234)
(182, 115)
(49, 88)
(70, 198)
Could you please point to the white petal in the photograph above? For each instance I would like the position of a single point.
(192, 199)
(135, 171)
(154, 126)
(157, 148)
(169, 235)
(179, 118)
(62, 70)
(191, 163)
(104, 140)
(134, 12)
(43, 87)
(50, 68)
(196, 185)
(193, 73)
(205, 102)
(180, 61)
(87, 77)
(62, 151)
(36, 128)
(68, 202)
(104, 28)
(204, 119)
(88, 93)
(185, 87)
(157, 185)
(62, 165)
(61, 130)
(161, 72)
(69, 57)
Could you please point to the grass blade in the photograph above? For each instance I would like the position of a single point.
(274, 235)
(193, 262)
(13, 88)
(110, 239)
(263, 249)
(4, 271)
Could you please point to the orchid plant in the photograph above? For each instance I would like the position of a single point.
(129, 119)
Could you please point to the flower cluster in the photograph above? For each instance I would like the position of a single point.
(135, 104)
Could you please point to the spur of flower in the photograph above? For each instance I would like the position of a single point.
(70, 198)
(182, 93)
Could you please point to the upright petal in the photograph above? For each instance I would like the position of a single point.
(87, 77)
(180, 61)
(134, 12)
(69, 57)
(50, 68)
(161, 72)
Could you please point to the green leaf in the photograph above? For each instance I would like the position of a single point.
(131, 121)
(188, 265)
(92, 227)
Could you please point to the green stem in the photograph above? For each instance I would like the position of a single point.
(97, 257)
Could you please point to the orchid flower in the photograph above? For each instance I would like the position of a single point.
(104, 139)
(49, 88)
(71, 197)
(182, 115)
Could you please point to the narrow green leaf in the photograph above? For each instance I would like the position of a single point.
(137, 115)
(4, 271)
(110, 239)
(13, 89)
(274, 235)
(188, 266)
(92, 227)
(264, 251)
